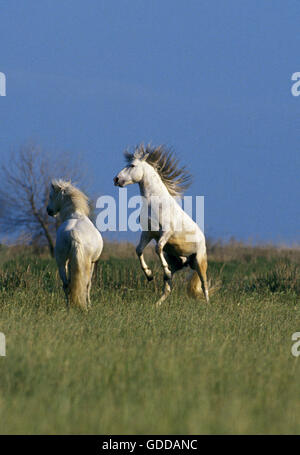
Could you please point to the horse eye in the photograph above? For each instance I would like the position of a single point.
(132, 165)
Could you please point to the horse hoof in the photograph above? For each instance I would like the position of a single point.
(149, 274)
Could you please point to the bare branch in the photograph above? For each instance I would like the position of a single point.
(24, 191)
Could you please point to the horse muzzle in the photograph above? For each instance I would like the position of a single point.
(50, 212)
(117, 181)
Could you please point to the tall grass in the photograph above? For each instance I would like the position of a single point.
(126, 367)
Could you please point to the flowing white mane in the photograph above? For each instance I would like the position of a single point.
(176, 179)
(78, 199)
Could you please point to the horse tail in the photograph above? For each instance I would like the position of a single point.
(77, 270)
(194, 288)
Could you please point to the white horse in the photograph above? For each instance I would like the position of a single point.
(180, 242)
(78, 243)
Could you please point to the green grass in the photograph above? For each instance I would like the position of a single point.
(126, 367)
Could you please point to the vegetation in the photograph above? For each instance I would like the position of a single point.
(24, 193)
(127, 367)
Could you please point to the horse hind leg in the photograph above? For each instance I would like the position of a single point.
(85, 277)
(200, 265)
(89, 285)
(62, 270)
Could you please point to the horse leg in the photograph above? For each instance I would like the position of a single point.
(144, 240)
(200, 265)
(166, 291)
(89, 285)
(174, 265)
(62, 269)
(159, 250)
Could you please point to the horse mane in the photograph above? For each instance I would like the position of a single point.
(176, 179)
(77, 197)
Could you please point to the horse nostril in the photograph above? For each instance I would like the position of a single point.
(116, 179)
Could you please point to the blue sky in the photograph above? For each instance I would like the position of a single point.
(212, 79)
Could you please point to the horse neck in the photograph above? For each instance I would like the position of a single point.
(68, 209)
(151, 184)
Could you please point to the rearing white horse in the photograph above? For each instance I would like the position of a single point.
(78, 243)
(180, 242)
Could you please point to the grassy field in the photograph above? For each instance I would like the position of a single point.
(127, 367)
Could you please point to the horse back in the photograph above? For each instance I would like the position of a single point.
(79, 230)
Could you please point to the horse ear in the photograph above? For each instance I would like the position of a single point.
(144, 158)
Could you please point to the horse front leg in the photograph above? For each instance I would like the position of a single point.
(159, 250)
(166, 291)
(144, 240)
(167, 272)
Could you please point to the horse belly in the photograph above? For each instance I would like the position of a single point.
(180, 244)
